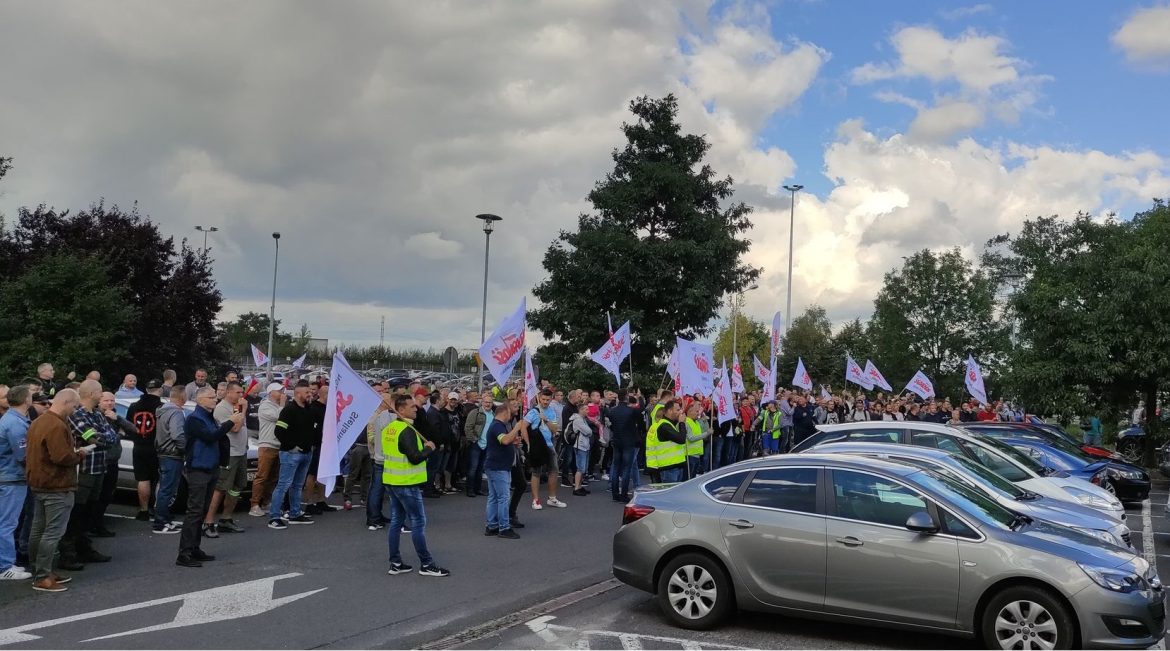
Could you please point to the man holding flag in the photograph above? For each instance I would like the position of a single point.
(405, 473)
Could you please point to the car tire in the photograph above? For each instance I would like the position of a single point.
(1021, 614)
(694, 592)
(1130, 449)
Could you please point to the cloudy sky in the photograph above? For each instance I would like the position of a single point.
(370, 133)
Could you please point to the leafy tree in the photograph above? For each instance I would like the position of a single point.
(172, 290)
(252, 328)
(67, 309)
(932, 313)
(852, 339)
(809, 337)
(664, 245)
(751, 337)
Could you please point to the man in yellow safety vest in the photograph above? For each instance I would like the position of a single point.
(405, 474)
(666, 446)
(695, 438)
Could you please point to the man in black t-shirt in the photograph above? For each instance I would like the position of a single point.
(142, 414)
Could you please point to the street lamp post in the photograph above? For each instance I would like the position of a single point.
(272, 309)
(205, 231)
(489, 224)
(791, 234)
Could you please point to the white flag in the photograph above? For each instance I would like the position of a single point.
(350, 406)
(777, 322)
(259, 357)
(921, 385)
(300, 361)
(614, 352)
(974, 381)
(736, 374)
(723, 400)
(801, 378)
(673, 369)
(825, 395)
(501, 350)
(696, 364)
(854, 374)
(875, 376)
(529, 382)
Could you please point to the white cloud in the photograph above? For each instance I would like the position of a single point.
(966, 12)
(1145, 36)
(946, 120)
(432, 246)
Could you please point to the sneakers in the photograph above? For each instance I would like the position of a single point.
(552, 501)
(230, 526)
(143, 516)
(210, 530)
(48, 585)
(536, 505)
(399, 568)
(605, 477)
(15, 574)
(565, 483)
(301, 519)
(184, 560)
(488, 531)
(433, 570)
(580, 492)
(167, 528)
(257, 512)
(202, 556)
(509, 534)
(406, 528)
(374, 527)
(516, 524)
(278, 524)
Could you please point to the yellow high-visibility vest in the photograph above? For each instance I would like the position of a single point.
(694, 448)
(398, 470)
(663, 454)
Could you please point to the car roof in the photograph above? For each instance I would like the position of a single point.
(845, 447)
(857, 462)
(886, 424)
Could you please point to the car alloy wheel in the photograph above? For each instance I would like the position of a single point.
(692, 592)
(1108, 485)
(1131, 451)
(1025, 625)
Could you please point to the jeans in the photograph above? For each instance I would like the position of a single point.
(377, 495)
(771, 444)
(50, 517)
(406, 505)
(475, 460)
(436, 463)
(25, 529)
(719, 451)
(582, 459)
(671, 476)
(696, 466)
(170, 470)
(267, 471)
(623, 470)
(12, 496)
(294, 467)
(499, 494)
(200, 486)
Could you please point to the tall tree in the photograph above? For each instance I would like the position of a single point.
(809, 337)
(932, 313)
(252, 328)
(664, 245)
(853, 338)
(66, 309)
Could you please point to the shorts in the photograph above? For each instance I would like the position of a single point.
(549, 468)
(582, 461)
(145, 461)
(234, 477)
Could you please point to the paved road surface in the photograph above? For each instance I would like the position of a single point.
(325, 586)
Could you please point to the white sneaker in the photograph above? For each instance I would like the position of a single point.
(536, 505)
(15, 574)
(257, 512)
(605, 477)
(552, 501)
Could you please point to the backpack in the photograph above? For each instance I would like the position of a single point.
(571, 434)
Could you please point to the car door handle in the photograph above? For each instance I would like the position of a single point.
(850, 541)
(741, 524)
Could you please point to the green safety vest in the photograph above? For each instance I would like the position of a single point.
(398, 470)
(654, 412)
(694, 448)
(774, 430)
(663, 454)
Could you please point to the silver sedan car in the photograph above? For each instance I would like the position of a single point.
(870, 541)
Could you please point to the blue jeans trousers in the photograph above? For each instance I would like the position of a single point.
(475, 460)
(170, 471)
(294, 467)
(406, 506)
(376, 497)
(12, 496)
(499, 494)
(672, 475)
(623, 471)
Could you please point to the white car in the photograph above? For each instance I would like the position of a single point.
(1000, 458)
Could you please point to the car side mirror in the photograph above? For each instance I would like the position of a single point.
(921, 522)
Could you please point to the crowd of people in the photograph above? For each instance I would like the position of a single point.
(60, 443)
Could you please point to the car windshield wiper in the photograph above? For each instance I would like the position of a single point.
(1026, 497)
(1019, 521)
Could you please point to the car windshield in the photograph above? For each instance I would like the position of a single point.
(989, 477)
(971, 502)
(1015, 455)
(1068, 448)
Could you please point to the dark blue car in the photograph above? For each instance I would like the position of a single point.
(1128, 482)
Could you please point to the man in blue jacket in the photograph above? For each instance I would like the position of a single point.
(207, 450)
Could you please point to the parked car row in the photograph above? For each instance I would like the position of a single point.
(908, 525)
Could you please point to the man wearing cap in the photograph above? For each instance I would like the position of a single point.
(268, 452)
(143, 415)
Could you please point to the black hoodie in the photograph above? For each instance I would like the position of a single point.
(142, 414)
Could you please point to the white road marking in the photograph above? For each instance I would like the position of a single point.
(557, 635)
(124, 517)
(540, 627)
(630, 642)
(1148, 534)
(202, 607)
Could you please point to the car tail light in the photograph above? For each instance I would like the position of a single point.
(635, 512)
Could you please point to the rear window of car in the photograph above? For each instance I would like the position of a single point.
(790, 489)
(724, 488)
